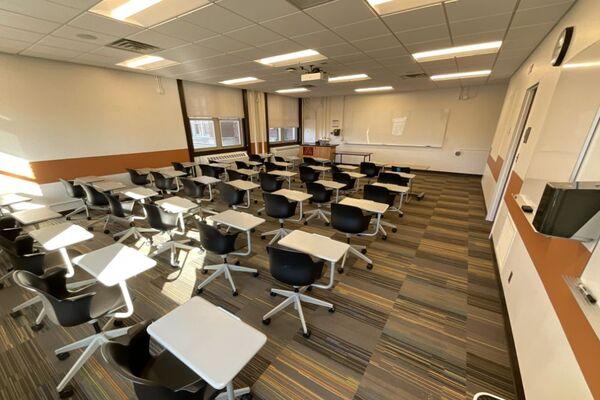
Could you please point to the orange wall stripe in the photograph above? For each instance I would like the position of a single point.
(50, 170)
(495, 166)
(553, 258)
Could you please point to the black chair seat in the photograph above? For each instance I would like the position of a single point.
(277, 206)
(293, 267)
(349, 219)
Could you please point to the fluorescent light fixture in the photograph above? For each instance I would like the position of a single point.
(241, 81)
(292, 58)
(378, 2)
(384, 7)
(461, 75)
(348, 78)
(374, 89)
(131, 7)
(294, 90)
(147, 63)
(459, 51)
(589, 64)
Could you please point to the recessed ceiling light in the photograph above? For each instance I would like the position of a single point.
(459, 51)
(292, 58)
(131, 7)
(147, 63)
(384, 7)
(349, 78)
(146, 12)
(294, 90)
(582, 65)
(460, 75)
(241, 81)
(86, 36)
(374, 89)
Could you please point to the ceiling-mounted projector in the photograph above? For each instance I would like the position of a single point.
(314, 76)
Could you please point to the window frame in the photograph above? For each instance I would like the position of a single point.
(281, 141)
(220, 148)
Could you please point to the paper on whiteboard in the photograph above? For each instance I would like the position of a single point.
(398, 125)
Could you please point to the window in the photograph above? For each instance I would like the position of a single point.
(215, 133)
(283, 135)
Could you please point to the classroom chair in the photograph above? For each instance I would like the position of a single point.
(94, 200)
(75, 192)
(309, 161)
(239, 164)
(269, 166)
(348, 181)
(351, 221)
(321, 196)
(137, 178)
(209, 170)
(369, 169)
(277, 206)
(177, 166)
(268, 184)
(381, 194)
(307, 174)
(123, 212)
(164, 184)
(232, 196)
(387, 177)
(233, 175)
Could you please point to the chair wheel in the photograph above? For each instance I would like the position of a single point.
(307, 334)
(340, 270)
(68, 218)
(116, 239)
(256, 274)
(384, 237)
(199, 291)
(66, 393)
(237, 262)
(273, 294)
(63, 356)
(88, 218)
(266, 321)
(262, 237)
(131, 225)
(1, 285)
(252, 230)
(309, 289)
(15, 314)
(255, 201)
(258, 213)
(247, 396)
(327, 224)
(394, 230)
(91, 228)
(37, 327)
(235, 293)
(106, 231)
(118, 323)
(364, 251)
(305, 222)
(369, 266)
(331, 310)
(212, 200)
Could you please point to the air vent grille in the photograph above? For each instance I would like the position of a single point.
(133, 46)
(304, 4)
(418, 75)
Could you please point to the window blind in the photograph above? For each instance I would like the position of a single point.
(283, 111)
(212, 101)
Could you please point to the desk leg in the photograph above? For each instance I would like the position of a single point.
(290, 182)
(232, 394)
(68, 264)
(128, 302)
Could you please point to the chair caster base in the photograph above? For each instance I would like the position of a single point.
(66, 393)
(235, 293)
(118, 323)
(256, 274)
(394, 230)
(306, 334)
(63, 356)
(364, 251)
(37, 327)
(106, 231)
(266, 321)
(15, 314)
(331, 310)
(369, 266)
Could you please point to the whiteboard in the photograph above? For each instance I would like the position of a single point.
(395, 124)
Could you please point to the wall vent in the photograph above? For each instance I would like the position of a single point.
(133, 46)
(417, 75)
(304, 4)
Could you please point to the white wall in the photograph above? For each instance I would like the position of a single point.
(470, 127)
(55, 110)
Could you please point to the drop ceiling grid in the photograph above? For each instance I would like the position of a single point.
(233, 35)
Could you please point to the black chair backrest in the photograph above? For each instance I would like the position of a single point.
(320, 193)
(269, 183)
(94, 197)
(309, 161)
(292, 267)
(307, 174)
(177, 166)
(137, 179)
(349, 219)
(344, 178)
(52, 289)
(9, 230)
(242, 165)
(159, 219)
(73, 191)
(369, 169)
(387, 177)
(396, 168)
(23, 256)
(162, 182)
(279, 159)
(277, 206)
(193, 189)
(335, 169)
(273, 167)
(208, 170)
(116, 208)
(255, 158)
(234, 175)
(379, 194)
(213, 240)
(230, 195)
(8, 222)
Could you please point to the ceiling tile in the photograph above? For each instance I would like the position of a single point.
(387, 52)
(75, 45)
(79, 4)
(415, 19)
(431, 45)
(71, 32)
(293, 25)
(217, 19)
(40, 9)
(12, 46)
(538, 15)
(157, 39)
(19, 35)
(188, 52)
(39, 50)
(476, 63)
(19, 21)
(469, 9)
(540, 3)
(252, 53)
(255, 35)
(351, 58)
(318, 39)
(113, 54)
(341, 12)
(439, 67)
(338, 50)
(426, 34)
(477, 25)
(98, 23)
(282, 47)
(223, 44)
(184, 30)
(376, 43)
(362, 30)
(478, 37)
(259, 10)
(97, 59)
